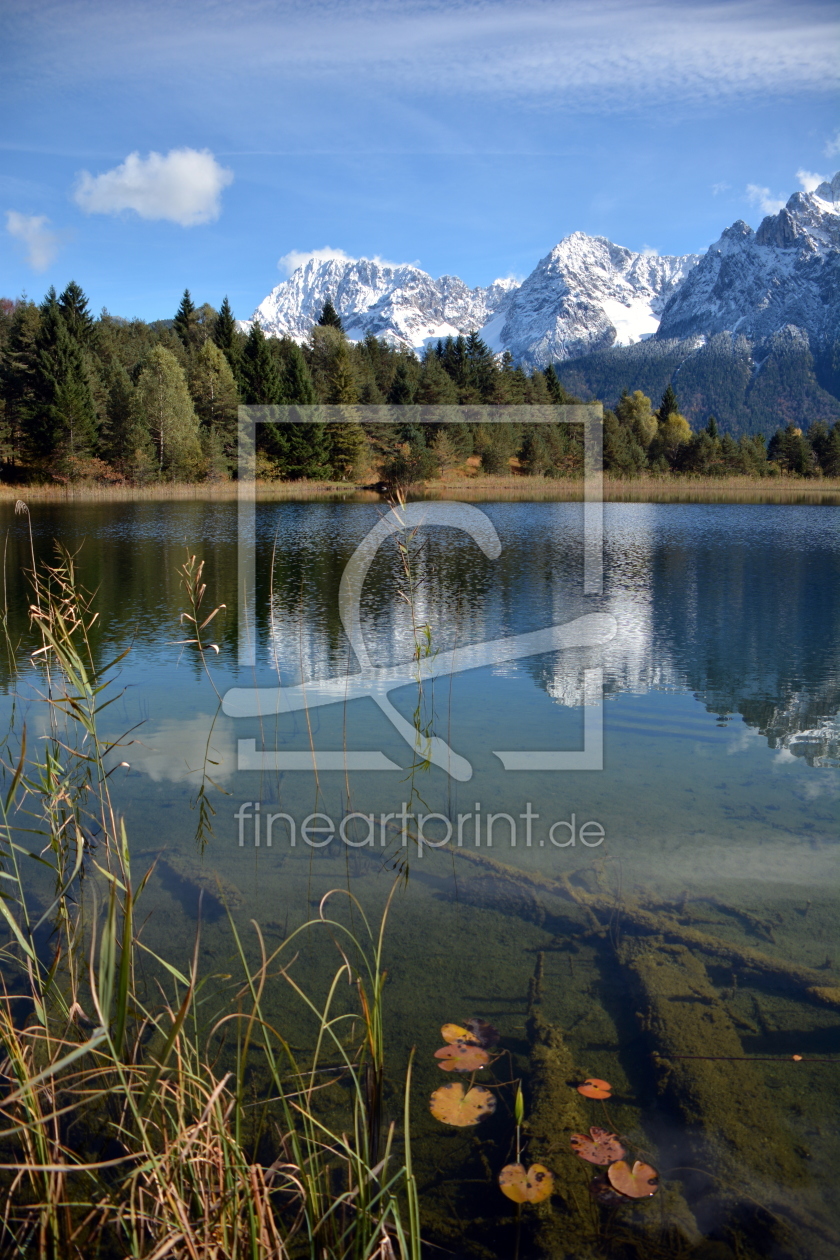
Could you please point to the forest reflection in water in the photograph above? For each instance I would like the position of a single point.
(718, 799)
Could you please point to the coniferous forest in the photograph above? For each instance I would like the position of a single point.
(111, 400)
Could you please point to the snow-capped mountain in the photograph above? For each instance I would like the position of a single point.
(401, 304)
(586, 295)
(589, 295)
(756, 283)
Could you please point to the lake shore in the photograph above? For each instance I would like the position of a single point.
(818, 491)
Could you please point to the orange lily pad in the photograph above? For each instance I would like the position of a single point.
(526, 1187)
(600, 1147)
(462, 1056)
(451, 1105)
(640, 1182)
(593, 1088)
(454, 1032)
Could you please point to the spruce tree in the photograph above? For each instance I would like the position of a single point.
(226, 335)
(295, 375)
(73, 305)
(186, 321)
(17, 375)
(329, 317)
(62, 414)
(669, 404)
(261, 382)
(403, 388)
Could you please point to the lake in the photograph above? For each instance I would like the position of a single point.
(662, 917)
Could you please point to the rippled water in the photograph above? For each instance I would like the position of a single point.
(718, 797)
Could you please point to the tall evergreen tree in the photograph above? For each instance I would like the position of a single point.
(669, 404)
(73, 305)
(227, 337)
(186, 322)
(17, 376)
(261, 382)
(329, 317)
(62, 419)
(295, 375)
(403, 388)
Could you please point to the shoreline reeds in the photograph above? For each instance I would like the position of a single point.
(479, 488)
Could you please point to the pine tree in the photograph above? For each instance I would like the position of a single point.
(295, 375)
(124, 440)
(403, 388)
(226, 336)
(668, 405)
(329, 317)
(162, 402)
(186, 322)
(73, 305)
(62, 415)
(261, 383)
(435, 386)
(17, 375)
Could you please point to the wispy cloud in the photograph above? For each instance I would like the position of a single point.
(32, 230)
(764, 199)
(717, 189)
(184, 186)
(613, 55)
(832, 147)
(810, 180)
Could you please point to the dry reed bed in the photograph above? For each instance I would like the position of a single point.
(792, 490)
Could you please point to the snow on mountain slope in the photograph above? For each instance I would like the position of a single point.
(401, 304)
(586, 295)
(756, 283)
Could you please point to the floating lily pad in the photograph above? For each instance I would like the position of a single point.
(454, 1032)
(593, 1088)
(526, 1187)
(461, 1056)
(452, 1106)
(483, 1032)
(640, 1182)
(600, 1147)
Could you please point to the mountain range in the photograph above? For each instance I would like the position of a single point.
(750, 329)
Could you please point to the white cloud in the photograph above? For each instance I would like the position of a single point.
(650, 251)
(766, 202)
(809, 180)
(31, 229)
(184, 187)
(832, 147)
(717, 189)
(299, 257)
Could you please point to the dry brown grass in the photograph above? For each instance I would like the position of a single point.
(455, 485)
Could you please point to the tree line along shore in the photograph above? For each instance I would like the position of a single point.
(112, 402)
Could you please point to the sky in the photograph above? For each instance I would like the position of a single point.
(146, 147)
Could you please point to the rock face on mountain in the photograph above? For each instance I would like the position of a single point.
(586, 295)
(764, 290)
(757, 283)
(401, 304)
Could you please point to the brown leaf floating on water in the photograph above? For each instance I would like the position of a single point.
(526, 1187)
(461, 1056)
(483, 1032)
(640, 1182)
(592, 1087)
(451, 1105)
(601, 1147)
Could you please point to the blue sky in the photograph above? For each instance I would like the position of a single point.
(149, 147)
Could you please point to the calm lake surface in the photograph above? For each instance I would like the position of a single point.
(713, 825)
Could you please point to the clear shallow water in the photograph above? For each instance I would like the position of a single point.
(718, 800)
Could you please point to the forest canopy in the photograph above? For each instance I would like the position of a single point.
(114, 400)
